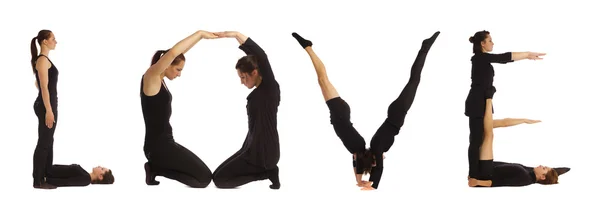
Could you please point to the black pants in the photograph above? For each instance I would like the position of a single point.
(475, 142)
(384, 137)
(169, 159)
(43, 154)
(236, 171)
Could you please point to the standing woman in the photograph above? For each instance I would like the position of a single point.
(166, 157)
(482, 88)
(45, 105)
(259, 155)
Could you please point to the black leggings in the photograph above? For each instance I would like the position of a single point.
(339, 112)
(384, 137)
(475, 142)
(171, 160)
(236, 171)
(43, 154)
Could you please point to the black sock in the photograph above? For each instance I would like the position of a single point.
(150, 176)
(274, 177)
(428, 42)
(303, 42)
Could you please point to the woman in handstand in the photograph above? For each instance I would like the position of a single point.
(368, 160)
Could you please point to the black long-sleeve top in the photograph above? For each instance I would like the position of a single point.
(262, 108)
(482, 81)
(380, 143)
(512, 174)
(377, 170)
(68, 175)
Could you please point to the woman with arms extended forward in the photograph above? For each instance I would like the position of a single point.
(497, 174)
(482, 87)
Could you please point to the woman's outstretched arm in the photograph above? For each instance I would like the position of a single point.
(508, 57)
(179, 48)
(509, 122)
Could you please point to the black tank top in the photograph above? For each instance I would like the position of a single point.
(157, 114)
(52, 83)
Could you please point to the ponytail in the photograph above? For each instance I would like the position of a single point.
(157, 56)
(41, 36)
(160, 53)
(34, 53)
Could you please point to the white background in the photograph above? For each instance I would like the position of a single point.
(105, 47)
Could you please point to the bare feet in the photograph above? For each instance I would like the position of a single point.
(472, 182)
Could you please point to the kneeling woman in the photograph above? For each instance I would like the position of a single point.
(259, 155)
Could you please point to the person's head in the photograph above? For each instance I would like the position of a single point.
(174, 70)
(247, 69)
(366, 160)
(102, 175)
(45, 39)
(482, 42)
(545, 175)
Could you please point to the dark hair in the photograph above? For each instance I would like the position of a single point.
(551, 178)
(366, 161)
(477, 39)
(107, 178)
(247, 64)
(160, 53)
(41, 36)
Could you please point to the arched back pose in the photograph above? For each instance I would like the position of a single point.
(166, 157)
(75, 175)
(368, 160)
(45, 105)
(259, 155)
(495, 173)
(482, 88)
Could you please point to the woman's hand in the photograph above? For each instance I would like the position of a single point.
(208, 35)
(535, 56)
(50, 119)
(368, 188)
(362, 183)
(226, 34)
(529, 121)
